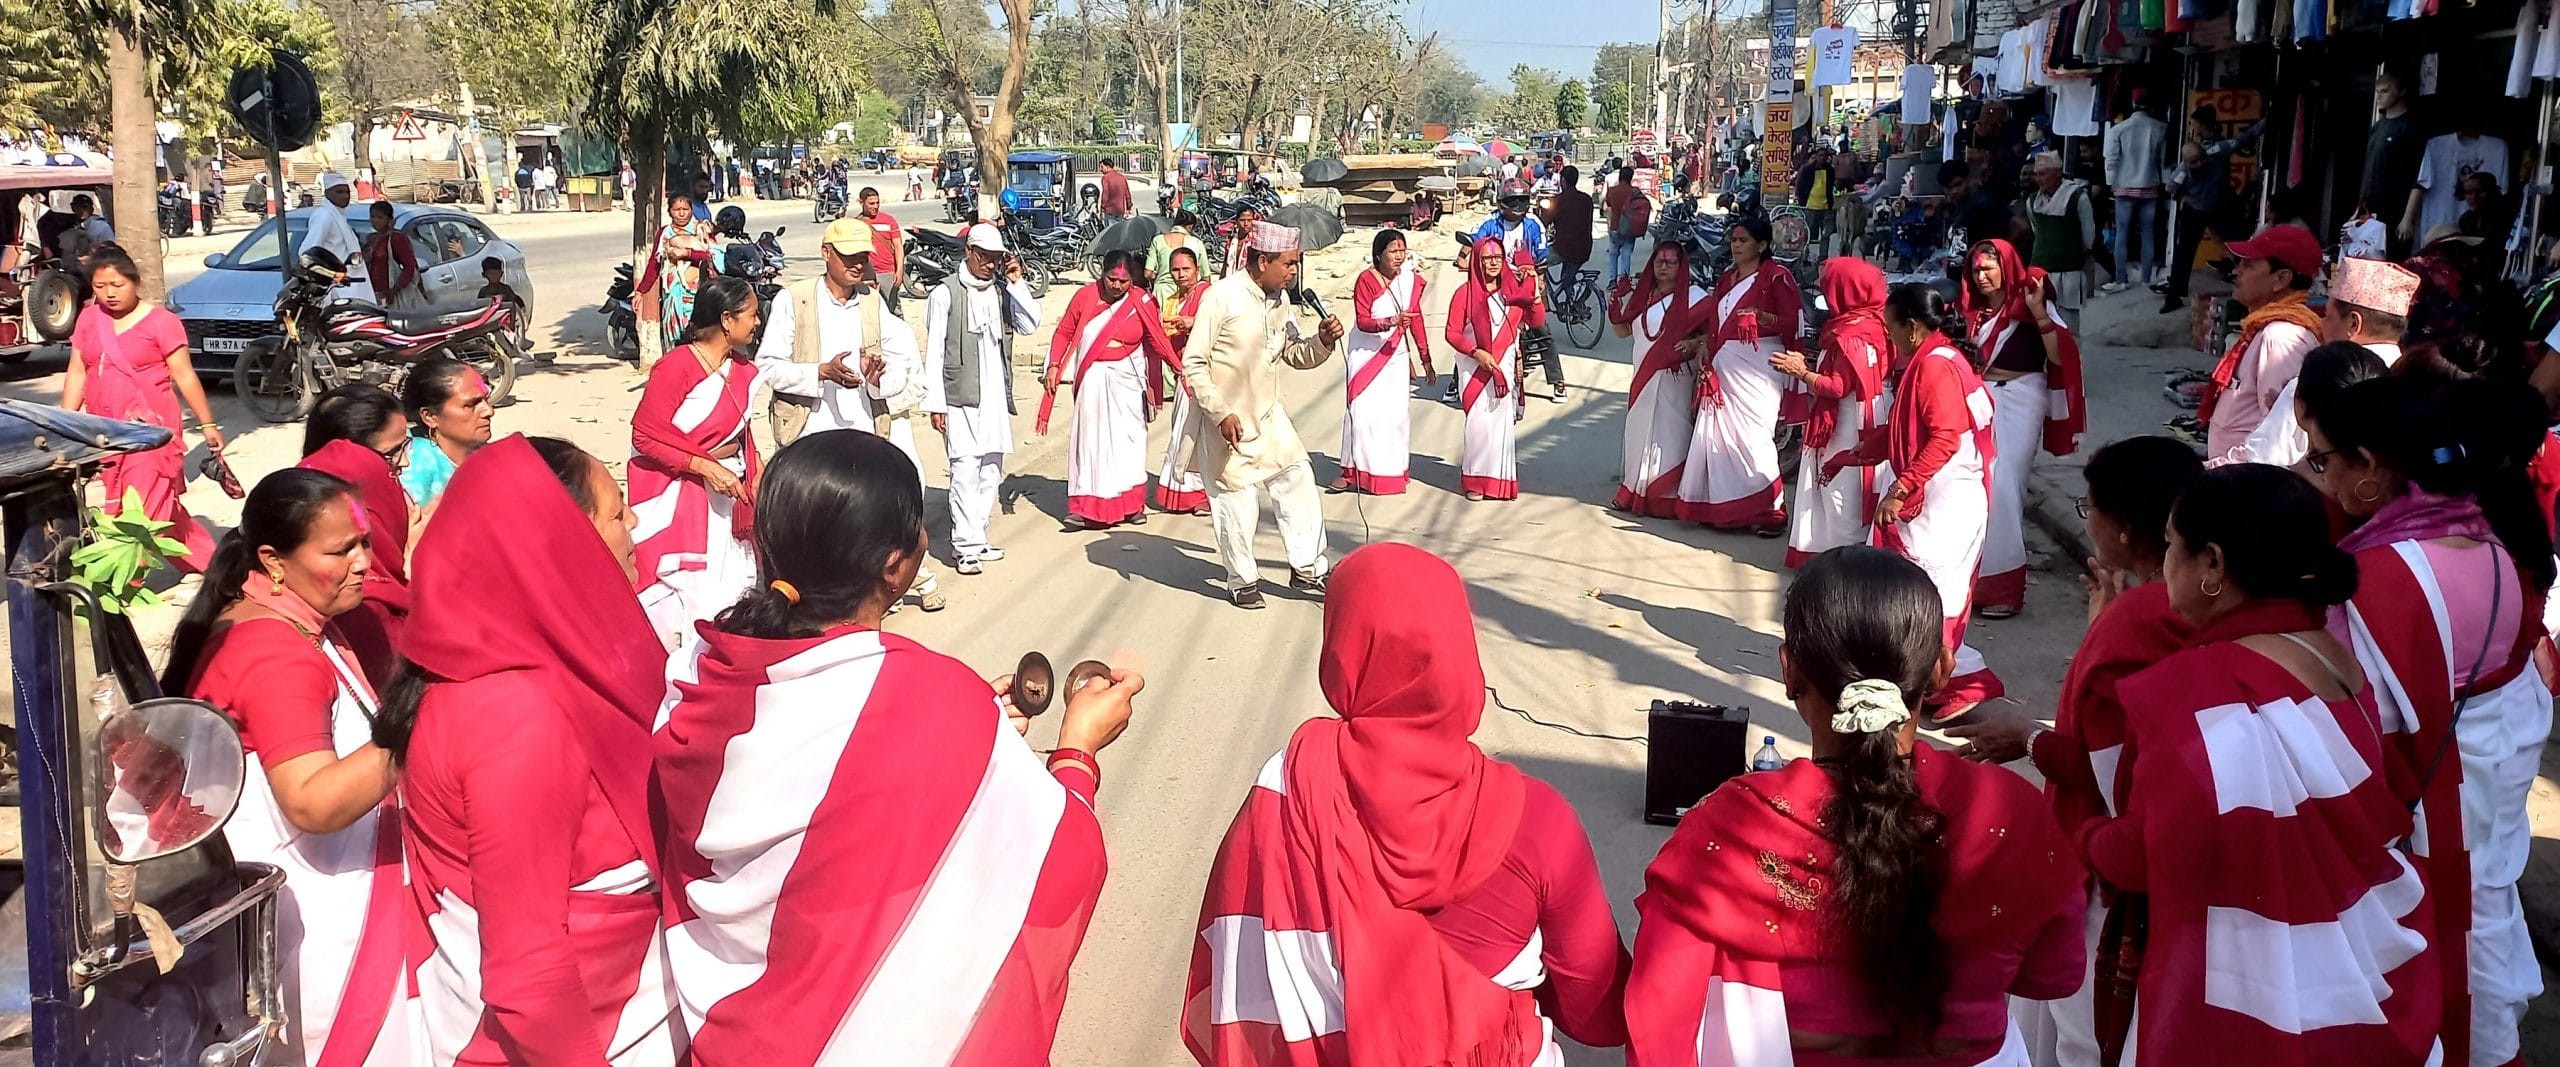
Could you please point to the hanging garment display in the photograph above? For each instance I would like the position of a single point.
(2075, 108)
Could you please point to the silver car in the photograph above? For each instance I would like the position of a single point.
(233, 301)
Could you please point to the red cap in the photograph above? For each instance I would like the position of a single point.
(2288, 246)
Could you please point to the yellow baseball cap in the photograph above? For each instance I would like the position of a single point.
(848, 236)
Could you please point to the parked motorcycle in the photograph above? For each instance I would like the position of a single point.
(175, 219)
(327, 343)
(621, 322)
(930, 256)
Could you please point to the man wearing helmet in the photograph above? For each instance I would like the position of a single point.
(1524, 240)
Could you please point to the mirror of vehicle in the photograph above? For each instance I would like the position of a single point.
(170, 772)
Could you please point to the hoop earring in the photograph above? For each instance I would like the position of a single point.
(2210, 592)
(2367, 483)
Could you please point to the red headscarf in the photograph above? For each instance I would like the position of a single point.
(1392, 811)
(1854, 289)
(2020, 283)
(512, 576)
(375, 630)
(2016, 281)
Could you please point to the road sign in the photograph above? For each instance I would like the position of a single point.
(409, 128)
(277, 105)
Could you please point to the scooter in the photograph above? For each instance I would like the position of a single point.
(621, 322)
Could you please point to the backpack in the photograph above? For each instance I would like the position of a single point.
(1635, 218)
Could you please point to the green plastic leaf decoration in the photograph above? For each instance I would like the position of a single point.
(122, 552)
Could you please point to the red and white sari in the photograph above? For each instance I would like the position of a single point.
(692, 544)
(532, 856)
(1732, 475)
(1732, 956)
(2414, 607)
(1662, 402)
(1937, 439)
(1377, 425)
(1178, 484)
(1489, 320)
(865, 864)
(1107, 447)
(2284, 929)
(2043, 408)
(1849, 400)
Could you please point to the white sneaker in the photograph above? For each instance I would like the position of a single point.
(990, 553)
(2115, 287)
(968, 565)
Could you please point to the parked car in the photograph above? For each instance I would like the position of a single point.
(234, 301)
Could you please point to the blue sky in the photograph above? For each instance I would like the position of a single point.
(1489, 36)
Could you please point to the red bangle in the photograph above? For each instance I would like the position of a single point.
(1078, 756)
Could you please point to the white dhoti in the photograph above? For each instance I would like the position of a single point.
(1235, 513)
(974, 480)
(2019, 407)
(1107, 448)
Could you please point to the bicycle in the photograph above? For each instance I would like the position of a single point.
(1576, 301)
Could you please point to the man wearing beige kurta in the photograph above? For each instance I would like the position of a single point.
(1244, 333)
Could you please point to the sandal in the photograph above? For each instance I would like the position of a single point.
(1338, 485)
(1997, 611)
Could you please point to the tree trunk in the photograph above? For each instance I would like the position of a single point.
(360, 138)
(648, 150)
(1164, 134)
(136, 140)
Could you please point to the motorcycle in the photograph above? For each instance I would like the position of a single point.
(959, 204)
(621, 322)
(829, 205)
(175, 219)
(329, 342)
(1045, 254)
(930, 256)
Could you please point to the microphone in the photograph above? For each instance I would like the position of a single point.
(1306, 298)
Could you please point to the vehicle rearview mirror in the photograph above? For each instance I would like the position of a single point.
(170, 772)
(215, 260)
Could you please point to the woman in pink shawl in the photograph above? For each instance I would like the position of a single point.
(126, 357)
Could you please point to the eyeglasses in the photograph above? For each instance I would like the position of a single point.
(2318, 460)
(396, 456)
(2083, 505)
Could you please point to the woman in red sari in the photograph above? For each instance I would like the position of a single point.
(258, 643)
(1731, 482)
(1847, 386)
(391, 261)
(1936, 444)
(2031, 365)
(357, 433)
(522, 727)
(694, 467)
(2278, 923)
(2132, 485)
(2453, 553)
(1675, 315)
(1485, 320)
(1178, 486)
(126, 357)
(1445, 905)
(1880, 901)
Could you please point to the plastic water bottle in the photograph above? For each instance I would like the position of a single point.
(1768, 759)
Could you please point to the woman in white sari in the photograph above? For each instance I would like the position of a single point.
(1849, 401)
(1672, 316)
(1732, 478)
(1485, 321)
(1387, 331)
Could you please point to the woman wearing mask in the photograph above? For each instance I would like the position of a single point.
(694, 468)
(1880, 901)
(1732, 478)
(1453, 899)
(2452, 555)
(522, 727)
(391, 262)
(2132, 485)
(357, 435)
(2251, 851)
(1847, 387)
(258, 644)
(912, 890)
(449, 415)
(1485, 320)
(129, 361)
(1390, 344)
(1937, 441)
(1674, 315)
(2031, 365)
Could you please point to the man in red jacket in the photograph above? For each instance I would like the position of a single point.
(1115, 192)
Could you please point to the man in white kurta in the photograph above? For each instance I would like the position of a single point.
(969, 322)
(327, 228)
(833, 354)
(1242, 336)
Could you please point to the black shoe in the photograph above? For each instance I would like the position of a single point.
(1306, 583)
(1139, 519)
(2173, 305)
(1248, 598)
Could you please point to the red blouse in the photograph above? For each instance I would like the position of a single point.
(278, 686)
(1549, 885)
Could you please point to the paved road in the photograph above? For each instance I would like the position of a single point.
(1584, 617)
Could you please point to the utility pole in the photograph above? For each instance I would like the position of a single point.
(1662, 69)
(1177, 59)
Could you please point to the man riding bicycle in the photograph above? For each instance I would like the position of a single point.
(1524, 238)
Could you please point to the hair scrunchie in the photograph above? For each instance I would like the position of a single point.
(789, 592)
(1869, 705)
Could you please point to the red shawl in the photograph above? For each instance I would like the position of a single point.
(1471, 329)
(2080, 756)
(1773, 291)
(1365, 294)
(2259, 823)
(1936, 400)
(1735, 898)
(661, 449)
(1389, 813)
(1681, 320)
(2069, 416)
(1854, 289)
(373, 630)
(512, 577)
(1129, 325)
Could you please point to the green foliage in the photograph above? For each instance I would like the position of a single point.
(1451, 93)
(1532, 104)
(1106, 123)
(51, 71)
(1620, 63)
(1613, 106)
(122, 552)
(1573, 105)
(244, 33)
(509, 52)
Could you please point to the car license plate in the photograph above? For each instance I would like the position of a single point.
(226, 344)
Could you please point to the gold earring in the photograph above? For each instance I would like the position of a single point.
(2367, 490)
(2214, 591)
(275, 582)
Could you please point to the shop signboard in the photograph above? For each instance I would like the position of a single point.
(1782, 51)
(1777, 153)
(2236, 110)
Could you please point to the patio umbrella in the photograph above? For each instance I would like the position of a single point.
(1316, 226)
(1131, 234)
(1460, 145)
(1498, 148)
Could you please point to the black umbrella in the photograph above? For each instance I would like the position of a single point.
(1316, 226)
(1132, 234)
(1323, 171)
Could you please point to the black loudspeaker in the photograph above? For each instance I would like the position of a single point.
(1690, 750)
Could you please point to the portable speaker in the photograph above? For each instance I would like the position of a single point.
(1690, 750)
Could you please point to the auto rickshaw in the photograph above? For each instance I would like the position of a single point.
(129, 936)
(40, 297)
(1045, 181)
